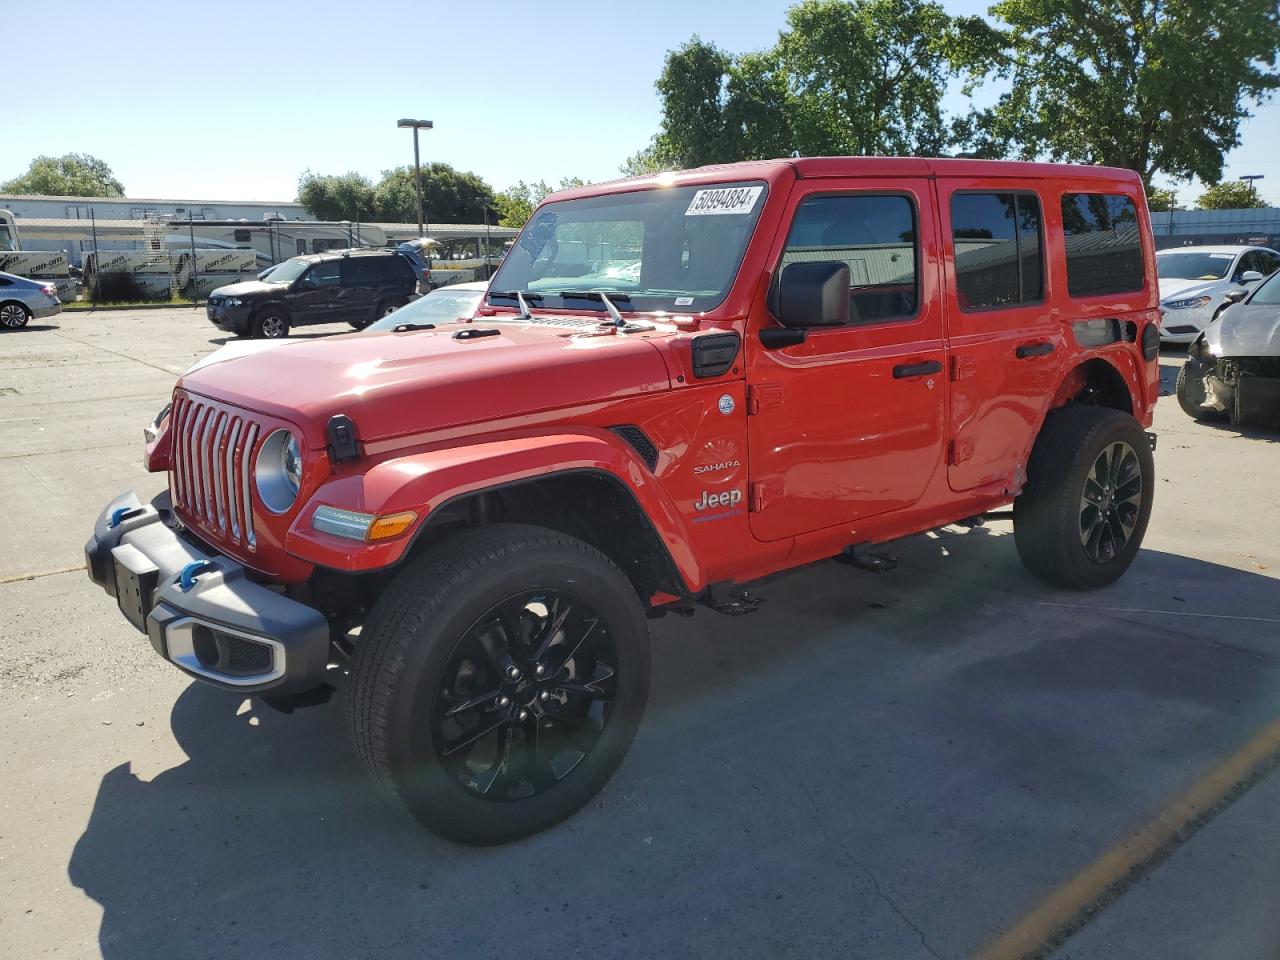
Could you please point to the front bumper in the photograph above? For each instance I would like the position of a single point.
(231, 319)
(199, 609)
(1183, 326)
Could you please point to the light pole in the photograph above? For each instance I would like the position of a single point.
(416, 125)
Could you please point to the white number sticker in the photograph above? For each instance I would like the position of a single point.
(731, 200)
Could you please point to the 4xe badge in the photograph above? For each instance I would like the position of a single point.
(726, 404)
(714, 501)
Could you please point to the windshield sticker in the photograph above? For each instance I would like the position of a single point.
(725, 200)
(683, 301)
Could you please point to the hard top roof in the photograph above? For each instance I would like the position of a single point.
(819, 167)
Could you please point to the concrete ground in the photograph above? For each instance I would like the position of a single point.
(946, 760)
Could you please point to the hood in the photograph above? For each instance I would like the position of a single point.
(1245, 330)
(392, 384)
(247, 288)
(1174, 289)
(236, 348)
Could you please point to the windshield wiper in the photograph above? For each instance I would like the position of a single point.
(519, 296)
(607, 297)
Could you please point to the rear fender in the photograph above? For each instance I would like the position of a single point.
(425, 481)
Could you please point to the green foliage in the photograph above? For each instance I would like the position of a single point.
(1156, 86)
(70, 175)
(1160, 200)
(347, 196)
(861, 77)
(516, 204)
(448, 196)
(1231, 195)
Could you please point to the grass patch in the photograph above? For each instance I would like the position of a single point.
(90, 305)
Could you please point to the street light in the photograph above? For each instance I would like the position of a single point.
(417, 125)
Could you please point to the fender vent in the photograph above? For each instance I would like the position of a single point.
(639, 443)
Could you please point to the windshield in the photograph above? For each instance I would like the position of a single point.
(665, 248)
(438, 306)
(1268, 293)
(286, 272)
(1193, 266)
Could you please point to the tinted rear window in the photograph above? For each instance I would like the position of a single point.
(1104, 253)
(997, 249)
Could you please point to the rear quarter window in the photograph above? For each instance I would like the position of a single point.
(1104, 251)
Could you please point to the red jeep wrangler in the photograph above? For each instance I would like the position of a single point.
(676, 385)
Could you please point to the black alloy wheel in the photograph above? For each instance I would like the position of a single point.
(525, 696)
(1111, 502)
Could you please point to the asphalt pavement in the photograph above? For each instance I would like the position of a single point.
(945, 760)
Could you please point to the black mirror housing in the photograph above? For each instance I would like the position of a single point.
(1235, 296)
(814, 295)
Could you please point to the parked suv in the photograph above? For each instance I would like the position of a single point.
(353, 286)
(676, 385)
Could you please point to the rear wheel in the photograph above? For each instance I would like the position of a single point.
(1080, 520)
(270, 324)
(14, 315)
(500, 681)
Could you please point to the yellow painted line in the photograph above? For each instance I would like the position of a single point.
(1074, 903)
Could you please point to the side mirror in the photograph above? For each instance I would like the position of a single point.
(814, 295)
(1250, 276)
(1235, 296)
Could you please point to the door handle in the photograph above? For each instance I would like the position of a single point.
(1034, 350)
(903, 370)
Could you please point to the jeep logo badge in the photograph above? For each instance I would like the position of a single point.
(709, 500)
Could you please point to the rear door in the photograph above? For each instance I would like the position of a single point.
(849, 424)
(360, 277)
(1006, 341)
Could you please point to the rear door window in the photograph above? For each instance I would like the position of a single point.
(996, 240)
(1104, 251)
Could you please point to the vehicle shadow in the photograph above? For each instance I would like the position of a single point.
(222, 341)
(31, 328)
(865, 747)
(1169, 378)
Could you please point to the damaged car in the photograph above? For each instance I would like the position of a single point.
(1233, 368)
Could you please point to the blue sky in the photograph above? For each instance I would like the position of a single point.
(233, 100)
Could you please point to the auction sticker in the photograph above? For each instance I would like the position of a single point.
(724, 200)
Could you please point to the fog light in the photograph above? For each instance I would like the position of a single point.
(354, 525)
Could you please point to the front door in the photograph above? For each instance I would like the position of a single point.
(360, 276)
(849, 424)
(315, 299)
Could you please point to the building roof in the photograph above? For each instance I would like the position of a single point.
(150, 200)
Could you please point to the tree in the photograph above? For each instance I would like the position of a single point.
(348, 196)
(448, 196)
(1156, 86)
(1160, 200)
(70, 175)
(1231, 195)
(516, 204)
(845, 77)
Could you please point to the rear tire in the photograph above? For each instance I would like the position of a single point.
(14, 315)
(432, 670)
(270, 324)
(1080, 519)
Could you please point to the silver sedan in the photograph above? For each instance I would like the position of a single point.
(21, 299)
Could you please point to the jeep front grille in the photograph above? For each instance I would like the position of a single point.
(212, 465)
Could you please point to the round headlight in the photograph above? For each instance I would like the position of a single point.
(278, 471)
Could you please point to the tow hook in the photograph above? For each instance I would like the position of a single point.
(1151, 439)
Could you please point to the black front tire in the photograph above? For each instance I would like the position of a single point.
(269, 325)
(1191, 390)
(406, 658)
(1053, 522)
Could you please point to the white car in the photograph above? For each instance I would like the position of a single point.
(1195, 281)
